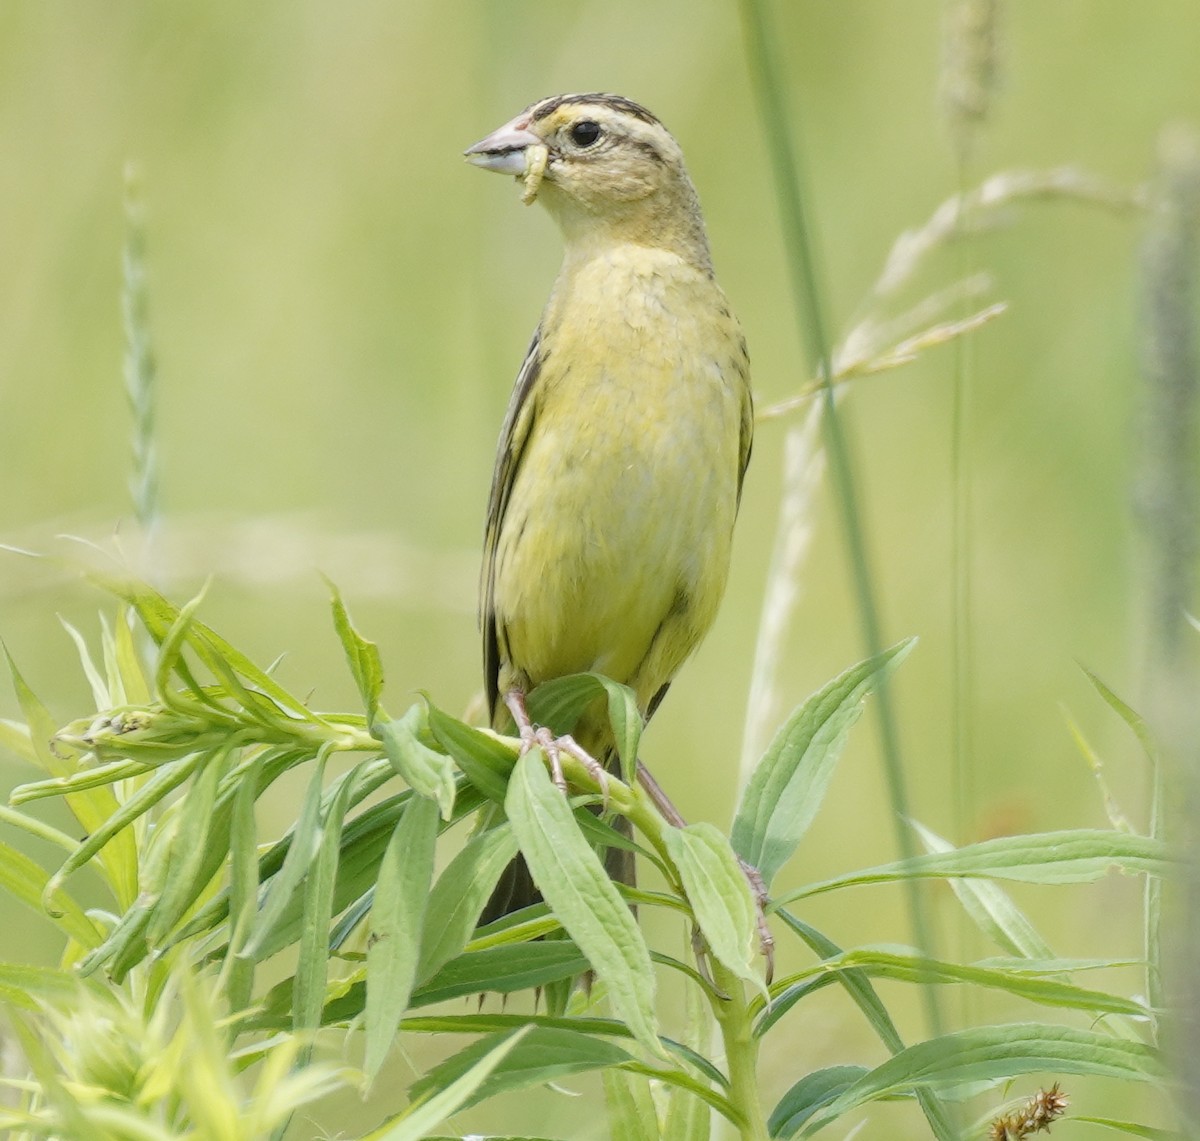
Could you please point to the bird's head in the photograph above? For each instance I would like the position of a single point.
(603, 166)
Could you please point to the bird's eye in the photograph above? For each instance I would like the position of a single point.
(585, 133)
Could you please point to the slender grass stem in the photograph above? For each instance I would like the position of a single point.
(785, 161)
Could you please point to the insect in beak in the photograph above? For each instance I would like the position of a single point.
(516, 150)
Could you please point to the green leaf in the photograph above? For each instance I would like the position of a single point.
(719, 894)
(312, 969)
(994, 1053)
(363, 656)
(16, 738)
(99, 687)
(991, 908)
(26, 881)
(808, 1095)
(29, 987)
(574, 883)
(858, 987)
(687, 1116)
(93, 808)
(605, 1027)
(631, 1112)
(158, 615)
(502, 970)
(558, 704)
(484, 759)
(300, 854)
(425, 771)
(460, 894)
(397, 917)
(1131, 1128)
(192, 819)
(1076, 856)
(789, 783)
(461, 1092)
(243, 886)
(906, 965)
(542, 1055)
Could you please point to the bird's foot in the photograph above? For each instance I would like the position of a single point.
(538, 736)
(766, 941)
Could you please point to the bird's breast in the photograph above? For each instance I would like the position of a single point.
(622, 508)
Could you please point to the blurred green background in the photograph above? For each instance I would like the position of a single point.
(339, 305)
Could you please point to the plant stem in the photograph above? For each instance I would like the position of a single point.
(741, 1051)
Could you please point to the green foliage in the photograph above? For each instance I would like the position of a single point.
(349, 896)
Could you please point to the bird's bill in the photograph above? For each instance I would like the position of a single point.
(504, 149)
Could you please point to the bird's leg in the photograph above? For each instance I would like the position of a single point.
(552, 746)
(532, 736)
(595, 769)
(662, 801)
(766, 941)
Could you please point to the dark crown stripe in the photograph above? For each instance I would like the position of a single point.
(546, 107)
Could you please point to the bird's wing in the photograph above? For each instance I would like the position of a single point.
(745, 432)
(513, 436)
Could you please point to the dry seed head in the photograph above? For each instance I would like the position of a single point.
(1035, 1116)
(969, 64)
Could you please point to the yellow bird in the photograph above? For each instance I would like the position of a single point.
(622, 455)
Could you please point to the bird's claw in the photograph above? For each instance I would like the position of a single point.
(539, 736)
(766, 941)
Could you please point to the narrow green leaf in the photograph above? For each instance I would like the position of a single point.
(502, 970)
(1076, 856)
(16, 738)
(460, 894)
(994, 1053)
(558, 704)
(574, 883)
(484, 759)
(902, 964)
(427, 772)
(28, 987)
(1131, 1128)
(93, 808)
(27, 882)
(858, 987)
(605, 1027)
(542, 1055)
(631, 1112)
(243, 886)
(126, 674)
(397, 918)
(789, 783)
(808, 1095)
(991, 908)
(435, 1108)
(719, 894)
(312, 968)
(75, 1123)
(193, 817)
(99, 687)
(363, 656)
(158, 615)
(300, 854)
(687, 1116)
(626, 721)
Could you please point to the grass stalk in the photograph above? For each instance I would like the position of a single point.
(789, 182)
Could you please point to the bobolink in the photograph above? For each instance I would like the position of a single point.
(621, 458)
